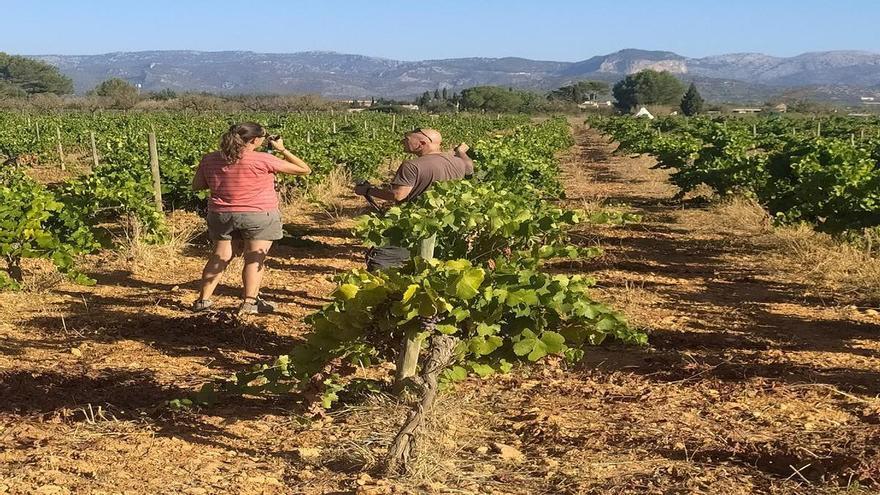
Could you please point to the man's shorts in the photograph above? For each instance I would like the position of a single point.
(252, 226)
(385, 257)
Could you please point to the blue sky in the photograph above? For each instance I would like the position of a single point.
(564, 30)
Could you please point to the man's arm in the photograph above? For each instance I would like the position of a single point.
(401, 186)
(461, 152)
(395, 193)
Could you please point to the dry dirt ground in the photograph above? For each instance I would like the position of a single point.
(754, 381)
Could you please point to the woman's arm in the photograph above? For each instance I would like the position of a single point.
(199, 183)
(293, 164)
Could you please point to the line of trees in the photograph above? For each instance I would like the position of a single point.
(27, 83)
(511, 100)
(647, 87)
(442, 100)
(22, 77)
(580, 92)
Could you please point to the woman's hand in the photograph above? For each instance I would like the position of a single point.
(277, 144)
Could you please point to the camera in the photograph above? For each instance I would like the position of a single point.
(269, 138)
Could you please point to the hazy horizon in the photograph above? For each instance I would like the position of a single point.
(843, 50)
(560, 30)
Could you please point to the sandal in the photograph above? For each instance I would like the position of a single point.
(201, 305)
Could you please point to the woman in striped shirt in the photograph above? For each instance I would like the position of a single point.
(243, 207)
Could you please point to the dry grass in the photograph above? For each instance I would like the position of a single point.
(448, 456)
(634, 300)
(816, 258)
(824, 261)
(591, 205)
(330, 196)
(139, 255)
(741, 214)
(41, 275)
(331, 199)
(701, 191)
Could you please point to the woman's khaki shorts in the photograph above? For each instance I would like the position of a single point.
(253, 226)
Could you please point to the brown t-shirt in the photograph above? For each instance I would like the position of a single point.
(419, 173)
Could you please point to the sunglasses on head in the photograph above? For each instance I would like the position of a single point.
(418, 130)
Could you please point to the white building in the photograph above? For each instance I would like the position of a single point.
(643, 112)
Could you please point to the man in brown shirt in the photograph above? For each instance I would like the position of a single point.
(431, 165)
(413, 178)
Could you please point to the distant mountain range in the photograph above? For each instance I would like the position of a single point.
(838, 75)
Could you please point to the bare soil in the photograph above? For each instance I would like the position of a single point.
(754, 381)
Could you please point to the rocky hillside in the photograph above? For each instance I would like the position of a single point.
(731, 77)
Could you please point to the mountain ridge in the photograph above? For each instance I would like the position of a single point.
(726, 77)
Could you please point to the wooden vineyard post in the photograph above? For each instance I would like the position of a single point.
(754, 130)
(409, 352)
(309, 137)
(427, 247)
(365, 124)
(60, 148)
(94, 148)
(394, 124)
(852, 139)
(154, 170)
(37, 127)
(31, 126)
(334, 127)
(819, 129)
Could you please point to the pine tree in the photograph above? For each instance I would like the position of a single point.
(21, 75)
(692, 102)
(444, 94)
(436, 94)
(425, 99)
(647, 87)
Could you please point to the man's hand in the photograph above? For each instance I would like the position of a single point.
(461, 149)
(361, 189)
(277, 145)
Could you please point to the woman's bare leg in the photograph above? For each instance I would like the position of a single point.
(213, 270)
(254, 262)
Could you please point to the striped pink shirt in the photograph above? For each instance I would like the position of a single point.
(245, 186)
